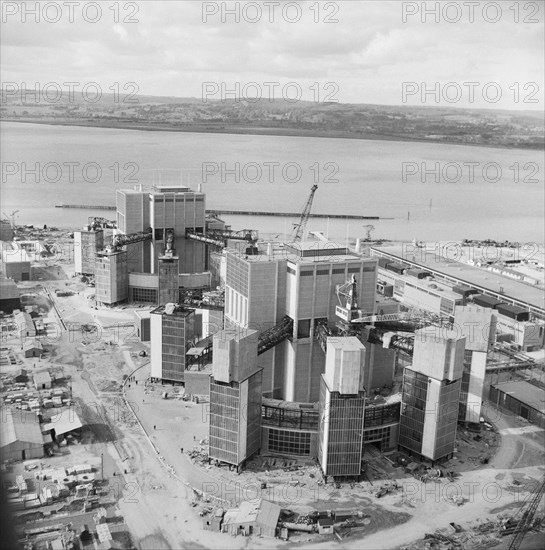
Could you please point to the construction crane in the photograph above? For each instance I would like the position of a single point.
(299, 228)
(347, 294)
(11, 218)
(525, 522)
(369, 229)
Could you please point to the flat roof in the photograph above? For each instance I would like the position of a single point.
(347, 343)
(281, 251)
(43, 376)
(143, 314)
(432, 286)
(524, 392)
(8, 289)
(176, 311)
(467, 274)
(19, 255)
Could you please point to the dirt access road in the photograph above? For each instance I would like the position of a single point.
(486, 490)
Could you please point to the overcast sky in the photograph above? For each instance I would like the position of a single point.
(368, 53)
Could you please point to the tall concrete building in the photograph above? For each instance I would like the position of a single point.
(314, 270)
(235, 397)
(87, 243)
(379, 365)
(167, 209)
(255, 296)
(298, 280)
(169, 286)
(111, 277)
(133, 217)
(431, 392)
(478, 325)
(342, 405)
(171, 331)
(158, 288)
(176, 209)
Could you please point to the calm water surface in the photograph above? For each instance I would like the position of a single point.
(370, 180)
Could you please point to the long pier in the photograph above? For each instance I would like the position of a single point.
(295, 215)
(242, 213)
(86, 206)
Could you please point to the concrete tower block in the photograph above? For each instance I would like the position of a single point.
(234, 354)
(478, 325)
(168, 267)
(439, 353)
(345, 359)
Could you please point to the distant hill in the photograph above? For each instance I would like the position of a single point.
(488, 127)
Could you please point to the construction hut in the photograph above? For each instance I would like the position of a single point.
(65, 422)
(33, 348)
(25, 325)
(42, 380)
(20, 436)
(252, 518)
(21, 377)
(212, 522)
(521, 398)
(326, 524)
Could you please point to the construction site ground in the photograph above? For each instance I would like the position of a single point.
(158, 456)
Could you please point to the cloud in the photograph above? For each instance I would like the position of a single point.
(369, 52)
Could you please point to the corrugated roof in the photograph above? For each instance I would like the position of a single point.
(64, 421)
(268, 513)
(32, 344)
(524, 392)
(20, 426)
(263, 513)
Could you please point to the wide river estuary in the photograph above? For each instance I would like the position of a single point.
(428, 191)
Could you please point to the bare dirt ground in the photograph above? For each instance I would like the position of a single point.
(155, 478)
(398, 519)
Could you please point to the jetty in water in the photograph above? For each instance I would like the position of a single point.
(86, 206)
(242, 213)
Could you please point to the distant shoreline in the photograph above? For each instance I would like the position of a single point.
(259, 131)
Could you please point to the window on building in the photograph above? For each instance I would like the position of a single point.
(288, 442)
(303, 328)
(145, 295)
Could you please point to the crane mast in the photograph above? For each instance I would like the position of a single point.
(527, 517)
(299, 228)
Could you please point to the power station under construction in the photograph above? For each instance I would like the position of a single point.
(308, 337)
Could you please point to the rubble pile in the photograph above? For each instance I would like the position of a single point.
(481, 535)
(199, 454)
